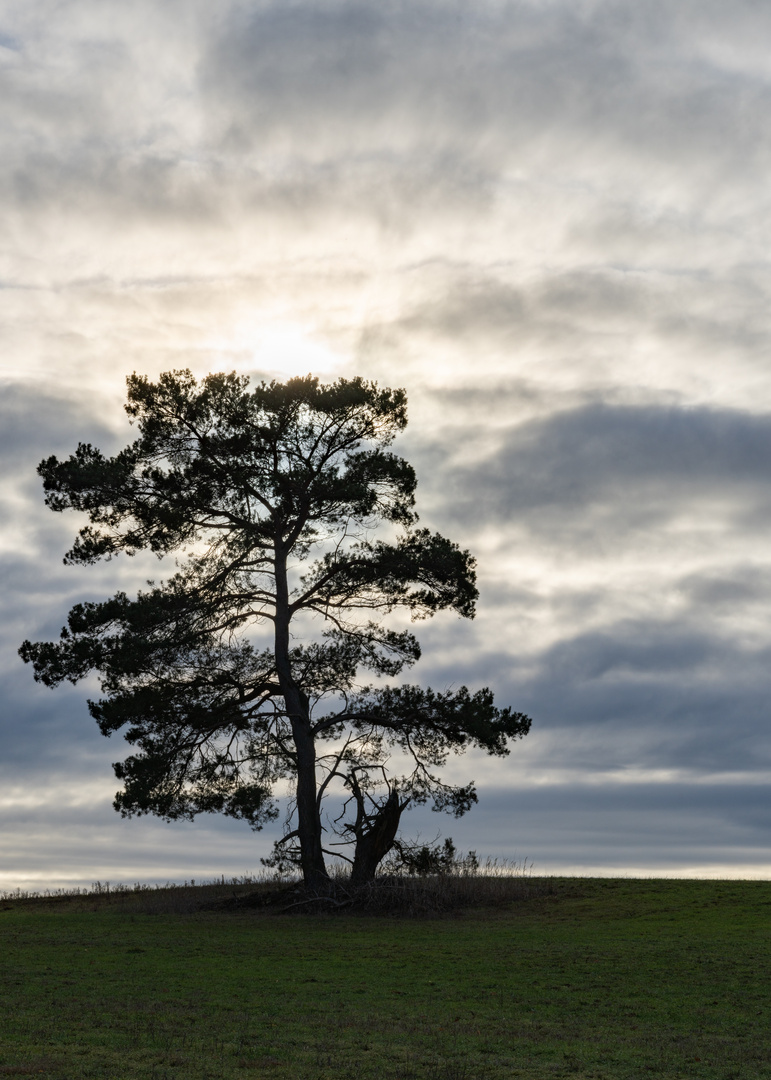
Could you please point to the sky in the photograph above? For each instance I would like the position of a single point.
(547, 220)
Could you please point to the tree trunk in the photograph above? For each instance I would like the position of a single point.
(314, 869)
(375, 844)
(308, 819)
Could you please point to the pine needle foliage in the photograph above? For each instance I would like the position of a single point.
(242, 669)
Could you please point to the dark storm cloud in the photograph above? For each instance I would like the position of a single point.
(642, 693)
(627, 467)
(36, 587)
(619, 825)
(684, 683)
(35, 423)
(41, 730)
(725, 588)
(657, 695)
(588, 312)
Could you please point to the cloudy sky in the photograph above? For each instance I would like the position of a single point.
(549, 221)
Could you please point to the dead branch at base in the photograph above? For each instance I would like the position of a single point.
(316, 900)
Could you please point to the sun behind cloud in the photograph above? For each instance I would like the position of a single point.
(277, 349)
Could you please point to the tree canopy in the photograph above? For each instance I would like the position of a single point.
(241, 671)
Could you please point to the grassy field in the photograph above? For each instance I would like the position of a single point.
(579, 978)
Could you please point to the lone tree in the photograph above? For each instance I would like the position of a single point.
(270, 497)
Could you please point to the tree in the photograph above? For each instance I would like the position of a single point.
(269, 497)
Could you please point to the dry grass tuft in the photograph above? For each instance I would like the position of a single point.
(463, 886)
(493, 885)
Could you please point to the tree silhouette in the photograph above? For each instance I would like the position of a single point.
(241, 670)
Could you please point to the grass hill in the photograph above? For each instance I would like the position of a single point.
(581, 978)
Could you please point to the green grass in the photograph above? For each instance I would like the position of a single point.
(590, 978)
